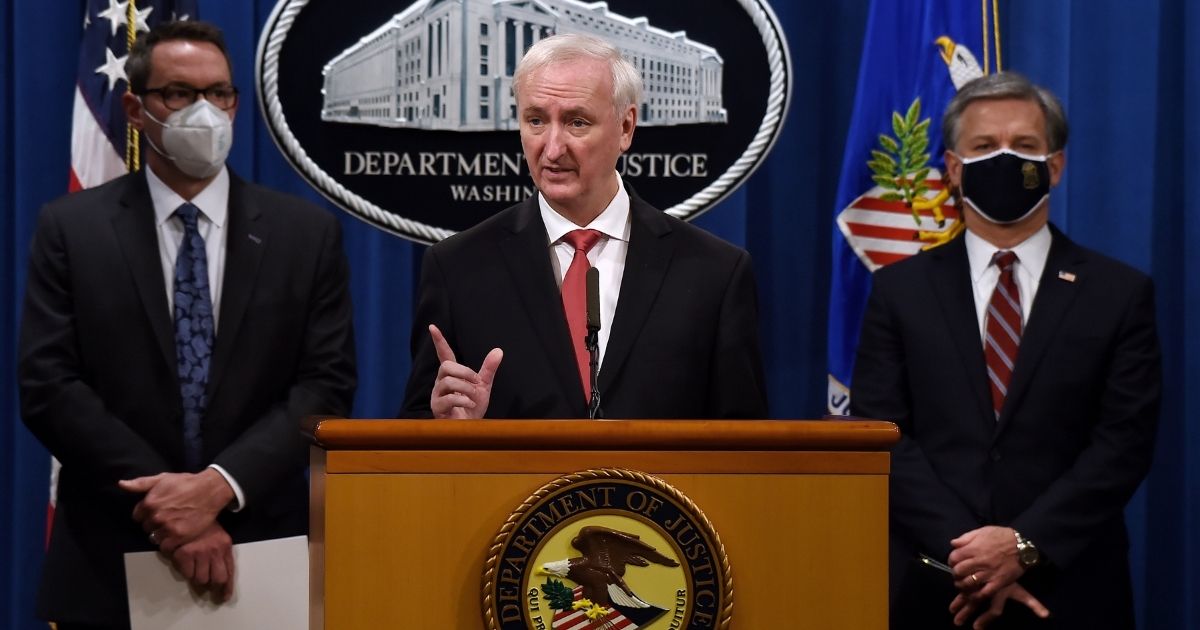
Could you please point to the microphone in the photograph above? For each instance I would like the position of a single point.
(593, 299)
(592, 340)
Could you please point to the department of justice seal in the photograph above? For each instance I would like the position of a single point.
(403, 114)
(607, 548)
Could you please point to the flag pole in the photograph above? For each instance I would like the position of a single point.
(983, 12)
(133, 156)
(995, 29)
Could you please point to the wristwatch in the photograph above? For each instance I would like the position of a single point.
(1027, 553)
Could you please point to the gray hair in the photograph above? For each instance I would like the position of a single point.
(627, 82)
(1006, 85)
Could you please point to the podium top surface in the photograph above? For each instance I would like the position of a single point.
(663, 435)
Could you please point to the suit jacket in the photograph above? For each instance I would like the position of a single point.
(98, 383)
(684, 340)
(1073, 440)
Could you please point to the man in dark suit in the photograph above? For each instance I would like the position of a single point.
(1026, 388)
(678, 335)
(178, 324)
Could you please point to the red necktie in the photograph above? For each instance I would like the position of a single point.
(574, 298)
(1003, 329)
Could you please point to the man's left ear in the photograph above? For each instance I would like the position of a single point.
(1056, 163)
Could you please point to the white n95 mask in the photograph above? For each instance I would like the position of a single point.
(197, 138)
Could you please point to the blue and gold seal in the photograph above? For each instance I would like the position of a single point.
(607, 548)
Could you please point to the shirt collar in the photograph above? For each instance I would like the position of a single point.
(1031, 253)
(213, 201)
(613, 223)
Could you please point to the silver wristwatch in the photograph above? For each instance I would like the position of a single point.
(1027, 553)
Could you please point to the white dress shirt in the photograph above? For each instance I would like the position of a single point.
(607, 255)
(213, 203)
(1027, 271)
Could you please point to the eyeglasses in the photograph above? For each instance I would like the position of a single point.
(177, 97)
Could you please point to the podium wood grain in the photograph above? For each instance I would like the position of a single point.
(400, 536)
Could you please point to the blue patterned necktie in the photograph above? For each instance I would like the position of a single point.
(193, 330)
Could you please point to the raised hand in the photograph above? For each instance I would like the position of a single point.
(460, 392)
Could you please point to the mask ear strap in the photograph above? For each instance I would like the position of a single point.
(155, 147)
(146, 111)
(150, 140)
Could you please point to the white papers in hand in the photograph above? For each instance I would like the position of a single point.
(270, 590)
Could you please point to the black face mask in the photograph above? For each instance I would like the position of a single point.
(1005, 186)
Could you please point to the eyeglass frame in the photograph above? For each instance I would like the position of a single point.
(195, 94)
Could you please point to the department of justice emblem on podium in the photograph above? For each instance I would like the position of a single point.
(607, 548)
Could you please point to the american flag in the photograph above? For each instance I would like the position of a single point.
(570, 619)
(102, 145)
(616, 619)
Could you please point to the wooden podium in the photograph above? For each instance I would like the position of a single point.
(403, 512)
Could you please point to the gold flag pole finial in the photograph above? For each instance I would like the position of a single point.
(133, 156)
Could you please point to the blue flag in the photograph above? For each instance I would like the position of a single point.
(891, 200)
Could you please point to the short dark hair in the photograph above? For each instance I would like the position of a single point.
(1005, 85)
(137, 66)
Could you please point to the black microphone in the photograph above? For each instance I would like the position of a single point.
(593, 299)
(592, 340)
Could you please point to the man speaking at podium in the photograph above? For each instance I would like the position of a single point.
(500, 324)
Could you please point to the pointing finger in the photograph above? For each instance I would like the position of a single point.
(444, 353)
(141, 484)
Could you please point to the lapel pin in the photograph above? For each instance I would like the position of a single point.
(258, 241)
(1066, 275)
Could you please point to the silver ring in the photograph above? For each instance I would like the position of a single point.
(974, 580)
(154, 539)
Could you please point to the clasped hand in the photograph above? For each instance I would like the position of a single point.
(179, 512)
(986, 569)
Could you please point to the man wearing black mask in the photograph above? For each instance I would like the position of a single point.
(1024, 372)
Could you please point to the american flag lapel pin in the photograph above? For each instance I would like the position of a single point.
(1066, 275)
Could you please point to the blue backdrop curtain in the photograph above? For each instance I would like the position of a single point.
(1129, 74)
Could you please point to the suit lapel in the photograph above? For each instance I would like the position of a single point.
(951, 278)
(1053, 299)
(646, 262)
(246, 238)
(526, 254)
(137, 234)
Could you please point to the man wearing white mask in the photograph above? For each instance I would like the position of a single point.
(178, 324)
(1024, 373)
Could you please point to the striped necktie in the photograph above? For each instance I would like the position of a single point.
(1003, 330)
